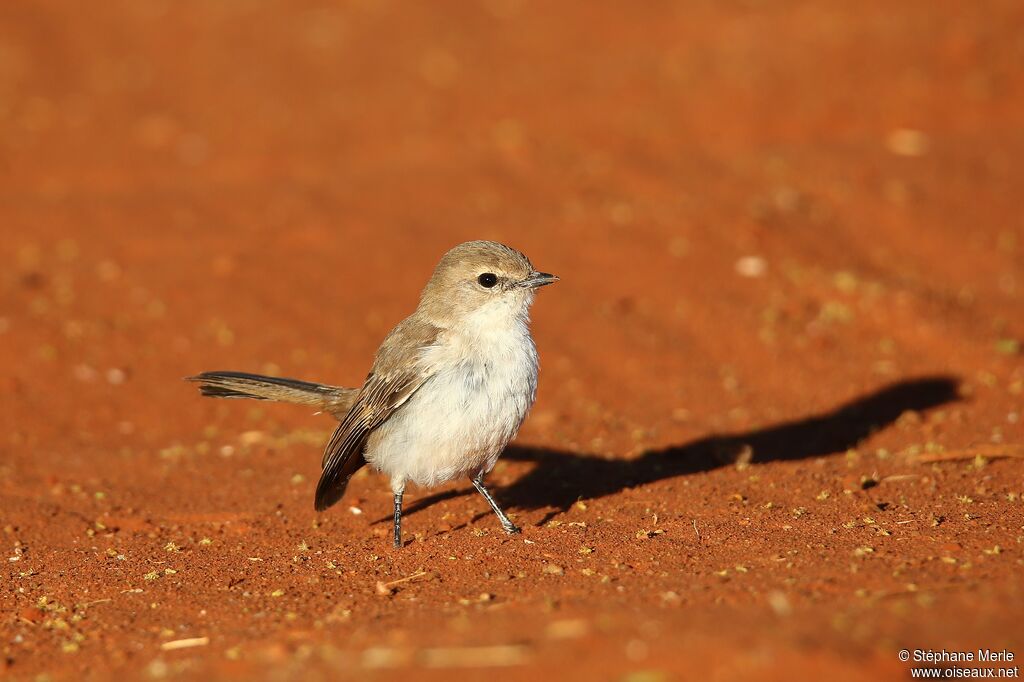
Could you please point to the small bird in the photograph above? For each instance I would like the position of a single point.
(449, 387)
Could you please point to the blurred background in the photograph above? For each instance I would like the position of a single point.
(762, 212)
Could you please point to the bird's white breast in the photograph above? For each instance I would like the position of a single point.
(483, 382)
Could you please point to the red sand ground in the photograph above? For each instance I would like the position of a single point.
(723, 474)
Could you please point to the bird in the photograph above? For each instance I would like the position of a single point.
(449, 387)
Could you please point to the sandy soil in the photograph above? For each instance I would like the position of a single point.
(778, 433)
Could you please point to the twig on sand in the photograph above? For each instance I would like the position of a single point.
(386, 589)
(185, 643)
(896, 478)
(994, 451)
(87, 604)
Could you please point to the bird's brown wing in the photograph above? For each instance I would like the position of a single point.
(397, 374)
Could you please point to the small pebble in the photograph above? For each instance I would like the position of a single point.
(751, 266)
(907, 142)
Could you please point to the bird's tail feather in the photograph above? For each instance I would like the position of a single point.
(333, 399)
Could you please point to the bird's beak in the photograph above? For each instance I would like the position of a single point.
(538, 279)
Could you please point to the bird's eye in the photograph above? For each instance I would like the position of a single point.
(487, 280)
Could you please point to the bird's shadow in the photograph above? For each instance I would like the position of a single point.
(561, 478)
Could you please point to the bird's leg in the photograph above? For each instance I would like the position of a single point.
(398, 519)
(506, 523)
